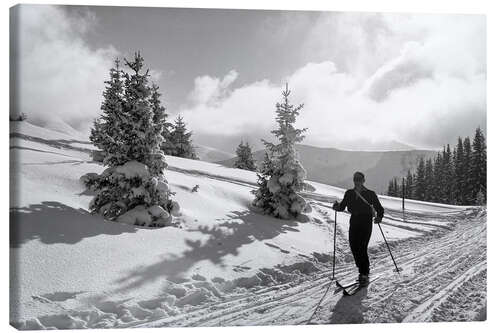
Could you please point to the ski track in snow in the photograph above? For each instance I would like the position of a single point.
(443, 279)
(426, 290)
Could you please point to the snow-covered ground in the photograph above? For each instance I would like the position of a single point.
(227, 264)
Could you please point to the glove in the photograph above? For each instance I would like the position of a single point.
(377, 220)
(335, 205)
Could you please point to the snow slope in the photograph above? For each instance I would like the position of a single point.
(227, 264)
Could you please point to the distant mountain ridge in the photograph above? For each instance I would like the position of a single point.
(335, 166)
(209, 154)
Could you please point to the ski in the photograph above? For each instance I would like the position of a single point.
(350, 291)
(339, 285)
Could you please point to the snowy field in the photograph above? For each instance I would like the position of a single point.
(226, 264)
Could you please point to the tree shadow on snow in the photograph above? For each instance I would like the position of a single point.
(349, 309)
(52, 222)
(61, 143)
(235, 230)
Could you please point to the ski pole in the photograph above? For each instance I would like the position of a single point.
(334, 245)
(385, 240)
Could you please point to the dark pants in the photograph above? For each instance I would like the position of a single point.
(360, 231)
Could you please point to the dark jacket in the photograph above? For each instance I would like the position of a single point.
(356, 206)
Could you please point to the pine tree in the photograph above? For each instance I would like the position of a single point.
(160, 117)
(468, 184)
(409, 185)
(244, 157)
(439, 177)
(455, 176)
(133, 188)
(104, 134)
(420, 181)
(454, 181)
(480, 198)
(263, 194)
(397, 188)
(180, 143)
(448, 176)
(460, 175)
(478, 164)
(390, 188)
(281, 176)
(428, 181)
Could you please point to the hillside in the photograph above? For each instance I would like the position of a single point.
(336, 167)
(226, 264)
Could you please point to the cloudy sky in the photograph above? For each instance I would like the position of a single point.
(368, 81)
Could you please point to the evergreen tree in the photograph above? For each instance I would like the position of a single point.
(409, 188)
(438, 185)
(263, 196)
(420, 181)
(478, 164)
(397, 188)
(480, 198)
(455, 176)
(180, 143)
(160, 117)
(281, 176)
(104, 134)
(428, 181)
(454, 181)
(394, 187)
(460, 175)
(390, 189)
(133, 188)
(468, 184)
(449, 180)
(244, 157)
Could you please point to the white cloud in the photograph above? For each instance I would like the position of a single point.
(155, 75)
(60, 78)
(208, 90)
(417, 79)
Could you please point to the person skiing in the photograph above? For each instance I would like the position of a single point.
(363, 204)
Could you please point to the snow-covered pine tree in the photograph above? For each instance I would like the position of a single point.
(159, 113)
(133, 188)
(180, 143)
(263, 194)
(244, 157)
(159, 117)
(105, 135)
(281, 176)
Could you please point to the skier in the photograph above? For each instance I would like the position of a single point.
(363, 204)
